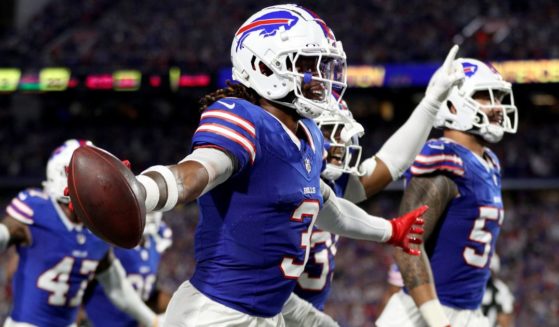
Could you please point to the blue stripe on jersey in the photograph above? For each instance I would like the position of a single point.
(229, 129)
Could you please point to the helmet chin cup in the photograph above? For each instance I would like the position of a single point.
(492, 133)
(331, 172)
(308, 108)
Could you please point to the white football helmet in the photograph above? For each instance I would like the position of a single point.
(58, 162)
(341, 139)
(469, 115)
(267, 47)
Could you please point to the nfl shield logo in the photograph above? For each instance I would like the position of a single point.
(308, 165)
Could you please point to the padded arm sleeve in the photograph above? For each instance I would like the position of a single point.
(218, 164)
(399, 151)
(122, 294)
(344, 218)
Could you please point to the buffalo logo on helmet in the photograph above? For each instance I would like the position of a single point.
(268, 25)
(469, 69)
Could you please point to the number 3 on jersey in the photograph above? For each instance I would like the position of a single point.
(307, 209)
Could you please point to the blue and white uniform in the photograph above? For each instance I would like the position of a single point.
(250, 254)
(315, 283)
(54, 270)
(141, 265)
(461, 247)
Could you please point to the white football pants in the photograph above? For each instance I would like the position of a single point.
(190, 308)
(401, 311)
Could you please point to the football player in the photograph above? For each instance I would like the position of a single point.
(356, 181)
(459, 177)
(255, 170)
(58, 257)
(140, 265)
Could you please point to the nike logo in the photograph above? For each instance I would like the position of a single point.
(227, 105)
(436, 147)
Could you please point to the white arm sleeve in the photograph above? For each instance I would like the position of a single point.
(122, 294)
(298, 312)
(218, 164)
(354, 190)
(399, 151)
(344, 218)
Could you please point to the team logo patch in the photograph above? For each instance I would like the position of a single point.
(308, 166)
(268, 25)
(469, 69)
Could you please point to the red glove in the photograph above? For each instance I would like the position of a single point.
(403, 228)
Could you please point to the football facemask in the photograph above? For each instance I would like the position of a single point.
(483, 104)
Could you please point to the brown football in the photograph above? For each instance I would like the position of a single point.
(106, 196)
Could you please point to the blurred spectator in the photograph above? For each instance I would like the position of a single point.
(155, 34)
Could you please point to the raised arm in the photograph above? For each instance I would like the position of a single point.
(436, 192)
(399, 151)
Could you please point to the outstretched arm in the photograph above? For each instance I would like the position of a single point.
(344, 218)
(112, 278)
(436, 192)
(198, 173)
(399, 151)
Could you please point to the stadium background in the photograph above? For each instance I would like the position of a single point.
(181, 51)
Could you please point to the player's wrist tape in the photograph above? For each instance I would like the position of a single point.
(152, 191)
(4, 237)
(153, 194)
(433, 314)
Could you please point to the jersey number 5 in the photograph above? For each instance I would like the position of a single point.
(480, 235)
(307, 209)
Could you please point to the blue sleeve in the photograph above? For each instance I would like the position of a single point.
(228, 125)
(436, 157)
(23, 207)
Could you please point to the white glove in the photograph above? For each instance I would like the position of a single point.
(448, 75)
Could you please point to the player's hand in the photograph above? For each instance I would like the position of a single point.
(405, 227)
(448, 75)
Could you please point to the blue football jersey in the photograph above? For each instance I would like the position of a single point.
(461, 246)
(141, 265)
(254, 230)
(54, 270)
(316, 281)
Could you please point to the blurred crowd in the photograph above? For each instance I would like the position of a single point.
(147, 129)
(528, 246)
(154, 34)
